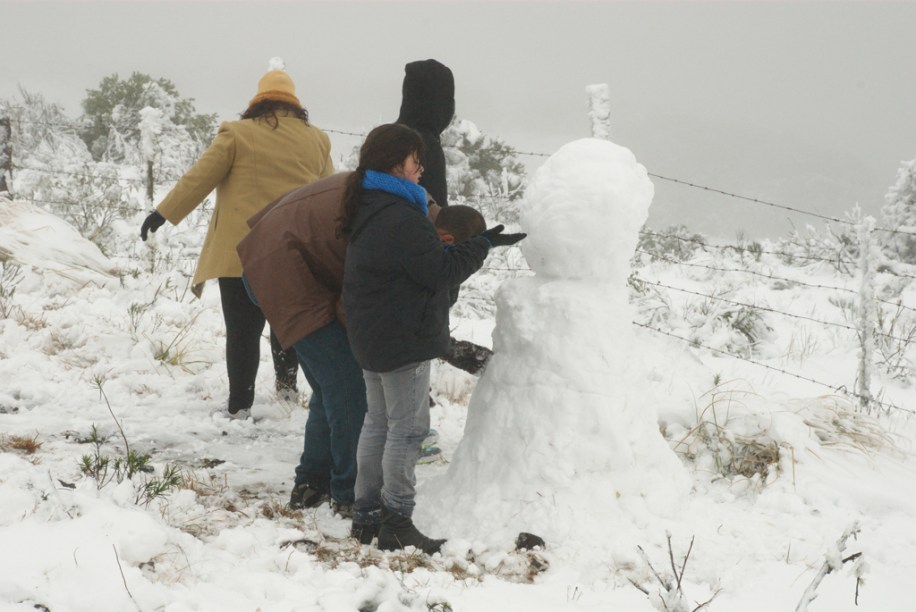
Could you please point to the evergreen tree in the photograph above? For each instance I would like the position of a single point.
(111, 118)
(899, 212)
(479, 165)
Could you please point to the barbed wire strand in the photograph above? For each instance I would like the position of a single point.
(774, 205)
(767, 309)
(661, 177)
(744, 249)
(82, 174)
(840, 389)
(771, 277)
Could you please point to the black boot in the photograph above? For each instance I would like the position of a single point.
(398, 532)
(308, 496)
(364, 533)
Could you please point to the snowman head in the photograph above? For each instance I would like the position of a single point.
(583, 211)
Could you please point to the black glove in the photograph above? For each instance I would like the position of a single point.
(152, 222)
(496, 237)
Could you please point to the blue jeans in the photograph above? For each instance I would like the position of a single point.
(336, 410)
(396, 423)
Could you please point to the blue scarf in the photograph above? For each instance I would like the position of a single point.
(398, 186)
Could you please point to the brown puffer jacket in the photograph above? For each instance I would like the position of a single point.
(294, 262)
(249, 164)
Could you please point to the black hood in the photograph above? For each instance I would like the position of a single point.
(427, 96)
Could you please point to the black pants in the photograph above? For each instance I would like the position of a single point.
(244, 324)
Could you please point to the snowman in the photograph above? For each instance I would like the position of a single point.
(562, 436)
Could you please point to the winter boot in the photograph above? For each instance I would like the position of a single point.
(398, 532)
(345, 510)
(306, 496)
(364, 532)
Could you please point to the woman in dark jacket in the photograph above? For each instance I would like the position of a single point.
(397, 281)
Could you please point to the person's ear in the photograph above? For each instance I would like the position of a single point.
(446, 237)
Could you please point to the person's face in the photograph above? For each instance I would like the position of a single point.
(410, 168)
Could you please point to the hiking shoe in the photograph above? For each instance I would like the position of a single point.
(432, 436)
(344, 510)
(304, 496)
(429, 454)
(290, 396)
(243, 414)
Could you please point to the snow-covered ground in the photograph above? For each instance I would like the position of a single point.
(755, 473)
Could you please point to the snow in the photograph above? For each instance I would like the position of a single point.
(597, 436)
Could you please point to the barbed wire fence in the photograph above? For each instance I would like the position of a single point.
(840, 261)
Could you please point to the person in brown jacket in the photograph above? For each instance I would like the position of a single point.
(271, 150)
(293, 267)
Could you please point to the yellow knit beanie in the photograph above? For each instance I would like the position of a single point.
(276, 85)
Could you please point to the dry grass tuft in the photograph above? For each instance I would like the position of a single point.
(836, 423)
(212, 485)
(20, 444)
(29, 321)
(275, 509)
(733, 454)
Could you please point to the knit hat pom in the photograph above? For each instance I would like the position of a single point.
(276, 85)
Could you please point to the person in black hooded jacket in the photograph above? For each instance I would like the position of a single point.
(427, 106)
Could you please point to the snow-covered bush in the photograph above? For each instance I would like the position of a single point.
(480, 165)
(675, 243)
(10, 277)
(899, 213)
(54, 170)
(838, 246)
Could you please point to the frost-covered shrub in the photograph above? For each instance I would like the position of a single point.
(10, 277)
(480, 165)
(839, 247)
(899, 213)
(737, 330)
(674, 243)
(54, 170)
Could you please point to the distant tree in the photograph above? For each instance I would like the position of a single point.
(111, 118)
(480, 165)
(54, 170)
(899, 213)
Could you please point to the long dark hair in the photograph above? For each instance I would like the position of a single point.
(386, 147)
(267, 109)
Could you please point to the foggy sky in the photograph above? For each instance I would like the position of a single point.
(806, 104)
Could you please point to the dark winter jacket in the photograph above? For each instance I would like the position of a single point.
(428, 105)
(397, 277)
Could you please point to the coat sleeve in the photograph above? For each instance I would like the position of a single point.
(427, 261)
(201, 178)
(328, 168)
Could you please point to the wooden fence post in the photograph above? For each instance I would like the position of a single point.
(867, 314)
(6, 156)
(599, 110)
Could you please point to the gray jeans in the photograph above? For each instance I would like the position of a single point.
(396, 423)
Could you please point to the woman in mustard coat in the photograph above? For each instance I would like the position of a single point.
(251, 162)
